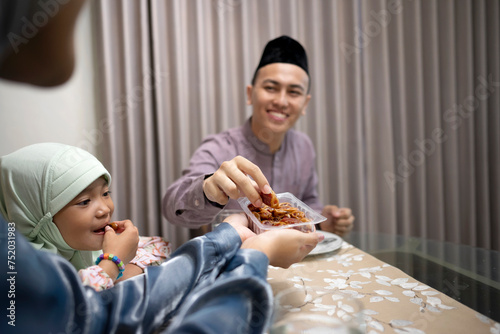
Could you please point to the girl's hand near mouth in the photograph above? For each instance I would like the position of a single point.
(123, 242)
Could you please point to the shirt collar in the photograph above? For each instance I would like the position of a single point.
(257, 144)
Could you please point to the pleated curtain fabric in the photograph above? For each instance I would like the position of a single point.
(405, 108)
(127, 113)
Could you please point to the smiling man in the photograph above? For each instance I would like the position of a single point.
(266, 148)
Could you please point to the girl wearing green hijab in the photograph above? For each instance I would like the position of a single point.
(58, 196)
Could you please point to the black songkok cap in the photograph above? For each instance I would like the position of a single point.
(283, 50)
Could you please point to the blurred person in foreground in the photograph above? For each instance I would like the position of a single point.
(216, 283)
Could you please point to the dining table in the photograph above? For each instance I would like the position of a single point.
(405, 284)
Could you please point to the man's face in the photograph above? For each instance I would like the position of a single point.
(279, 97)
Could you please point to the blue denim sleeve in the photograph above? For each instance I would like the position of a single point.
(42, 292)
(224, 287)
(239, 301)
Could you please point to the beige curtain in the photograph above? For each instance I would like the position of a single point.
(405, 113)
(126, 132)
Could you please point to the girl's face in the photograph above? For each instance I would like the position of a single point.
(82, 221)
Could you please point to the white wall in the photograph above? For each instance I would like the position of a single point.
(63, 114)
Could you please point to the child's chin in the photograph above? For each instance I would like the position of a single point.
(96, 245)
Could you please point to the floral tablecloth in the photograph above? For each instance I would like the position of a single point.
(393, 301)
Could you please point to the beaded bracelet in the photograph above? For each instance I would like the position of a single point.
(115, 259)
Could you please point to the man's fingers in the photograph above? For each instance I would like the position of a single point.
(344, 213)
(249, 168)
(343, 222)
(343, 229)
(236, 178)
(330, 210)
(237, 173)
(214, 192)
(255, 186)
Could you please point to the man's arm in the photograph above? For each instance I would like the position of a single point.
(215, 174)
(184, 202)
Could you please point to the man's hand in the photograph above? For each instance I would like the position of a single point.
(338, 220)
(232, 180)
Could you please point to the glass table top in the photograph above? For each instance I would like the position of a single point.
(467, 274)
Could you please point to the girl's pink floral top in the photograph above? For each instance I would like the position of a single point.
(151, 251)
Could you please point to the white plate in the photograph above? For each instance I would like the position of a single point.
(329, 244)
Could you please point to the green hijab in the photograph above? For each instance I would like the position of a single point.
(36, 182)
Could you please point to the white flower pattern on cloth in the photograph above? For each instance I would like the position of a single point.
(380, 290)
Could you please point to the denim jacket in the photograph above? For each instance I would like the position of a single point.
(209, 285)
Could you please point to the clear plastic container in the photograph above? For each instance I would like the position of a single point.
(258, 227)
